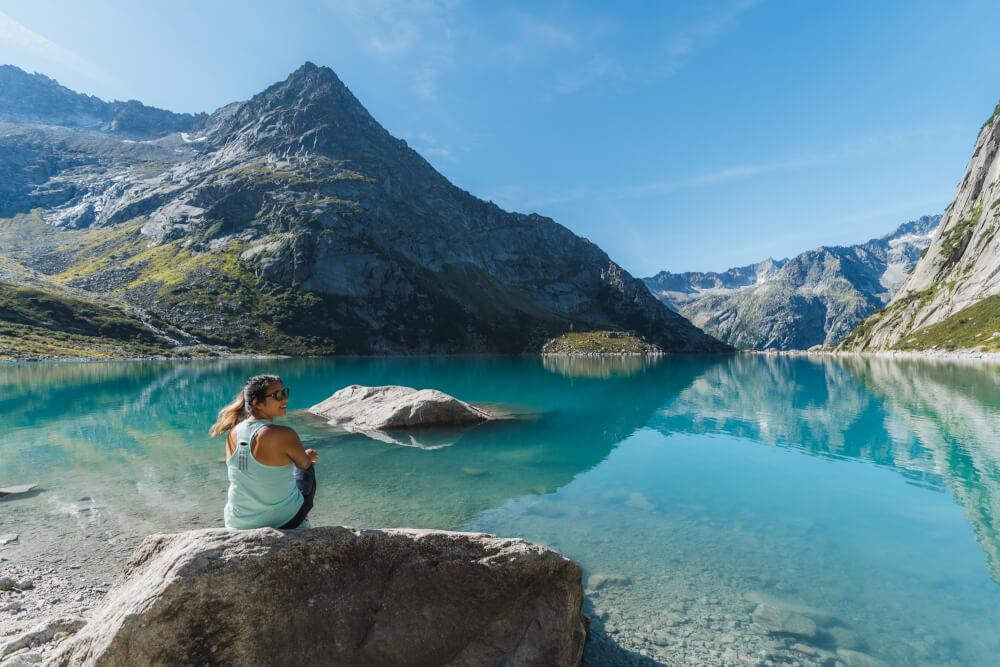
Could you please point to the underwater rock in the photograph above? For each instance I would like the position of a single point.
(858, 659)
(820, 617)
(639, 501)
(373, 408)
(843, 638)
(546, 508)
(15, 490)
(598, 581)
(9, 538)
(337, 596)
(803, 648)
(782, 621)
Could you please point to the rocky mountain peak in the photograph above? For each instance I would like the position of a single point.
(300, 215)
(312, 109)
(310, 86)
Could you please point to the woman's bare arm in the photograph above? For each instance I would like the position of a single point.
(289, 443)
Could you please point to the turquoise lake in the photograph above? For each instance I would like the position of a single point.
(866, 489)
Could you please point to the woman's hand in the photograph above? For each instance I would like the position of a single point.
(313, 455)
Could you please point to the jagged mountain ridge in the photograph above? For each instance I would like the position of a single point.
(814, 298)
(679, 289)
(295, 222)
(951, 300)
(37, 99)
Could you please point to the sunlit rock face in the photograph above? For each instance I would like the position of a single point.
(294, 222)
(362, 408)
(960, 268)
(815, 298)
(337, 596)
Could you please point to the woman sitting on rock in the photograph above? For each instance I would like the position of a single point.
(271, 477)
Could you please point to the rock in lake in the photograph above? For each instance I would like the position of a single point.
(782, 621)
(374, 408)
(858, 659)
(16, 490)
(598, 581)
(337, 596)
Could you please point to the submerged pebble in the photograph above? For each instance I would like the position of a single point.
(598, 581)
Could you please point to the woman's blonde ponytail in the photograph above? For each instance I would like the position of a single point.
(242, 406)
(229, 416)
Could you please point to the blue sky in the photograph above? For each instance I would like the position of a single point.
(686, 136)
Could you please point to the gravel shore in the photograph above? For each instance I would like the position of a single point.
(972, 356)
(39, 607)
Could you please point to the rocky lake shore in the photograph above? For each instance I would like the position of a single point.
(41, 606)
(973, 356)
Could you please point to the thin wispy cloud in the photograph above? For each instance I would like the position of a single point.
(521, 198)
(398, 38)
(23, 37)
(597, 68)
(920, 204)
(682, 44)
(418, 35)
(544, 33)
(859, 148)
(427, 145)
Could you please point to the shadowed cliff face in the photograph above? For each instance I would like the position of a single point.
(296, 215)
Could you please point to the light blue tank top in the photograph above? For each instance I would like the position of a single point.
(259, 495)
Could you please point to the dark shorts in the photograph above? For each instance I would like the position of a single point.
(305, 480)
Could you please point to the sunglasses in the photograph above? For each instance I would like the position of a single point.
(279, 395)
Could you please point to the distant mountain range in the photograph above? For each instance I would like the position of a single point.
(37, 99)
(951, 300)
(814, 298)
(291, 222)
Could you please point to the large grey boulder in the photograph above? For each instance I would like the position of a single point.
(361, 408)
(337, 596)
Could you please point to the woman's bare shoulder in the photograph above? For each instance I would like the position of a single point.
(276, 432)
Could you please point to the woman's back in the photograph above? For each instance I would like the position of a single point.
(259, 494)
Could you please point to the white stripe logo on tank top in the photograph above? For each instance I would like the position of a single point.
(242, 461)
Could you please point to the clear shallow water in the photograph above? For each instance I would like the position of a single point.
(866, 489)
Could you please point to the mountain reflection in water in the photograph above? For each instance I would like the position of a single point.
(723, 473)
(934, 422)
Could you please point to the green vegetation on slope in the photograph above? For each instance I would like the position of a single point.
(35, 324)
(600, 342)
(975, 326)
